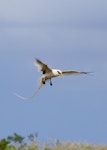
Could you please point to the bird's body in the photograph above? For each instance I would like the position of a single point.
(51, 75)
(48, 74)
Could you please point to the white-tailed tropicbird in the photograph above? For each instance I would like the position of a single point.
(48, 74)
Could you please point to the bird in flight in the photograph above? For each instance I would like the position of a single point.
(48, 74)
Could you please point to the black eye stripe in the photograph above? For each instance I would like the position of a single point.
(58, 72)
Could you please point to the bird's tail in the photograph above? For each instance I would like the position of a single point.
(27, 98)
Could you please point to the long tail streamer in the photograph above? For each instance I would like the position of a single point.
(27, 98)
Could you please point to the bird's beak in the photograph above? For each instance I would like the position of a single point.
(62, 75)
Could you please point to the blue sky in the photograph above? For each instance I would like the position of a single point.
(69, 34)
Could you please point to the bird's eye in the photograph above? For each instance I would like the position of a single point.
(59, 72)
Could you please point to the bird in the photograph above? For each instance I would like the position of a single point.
(48, 74)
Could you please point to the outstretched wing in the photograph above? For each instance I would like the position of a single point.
(42, 67)
(27, 98)
(73, 72)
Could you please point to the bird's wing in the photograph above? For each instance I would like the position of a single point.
(73, 72)
(27, 98)
(42, 67)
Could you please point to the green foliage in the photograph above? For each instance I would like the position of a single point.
(10, 147)
(32, 137)
(15, 138)
(16, 142)
(3, 144)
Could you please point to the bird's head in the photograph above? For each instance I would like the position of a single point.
(57, 72)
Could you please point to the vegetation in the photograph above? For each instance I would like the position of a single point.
(17, 142)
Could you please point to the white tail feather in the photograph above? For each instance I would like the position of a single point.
(27, 98)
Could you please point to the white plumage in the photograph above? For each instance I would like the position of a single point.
(48, 74)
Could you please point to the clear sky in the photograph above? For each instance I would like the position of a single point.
(65, 34)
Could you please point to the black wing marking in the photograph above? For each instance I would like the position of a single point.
(42, 67)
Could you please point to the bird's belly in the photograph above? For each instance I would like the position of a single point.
(48, 76)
